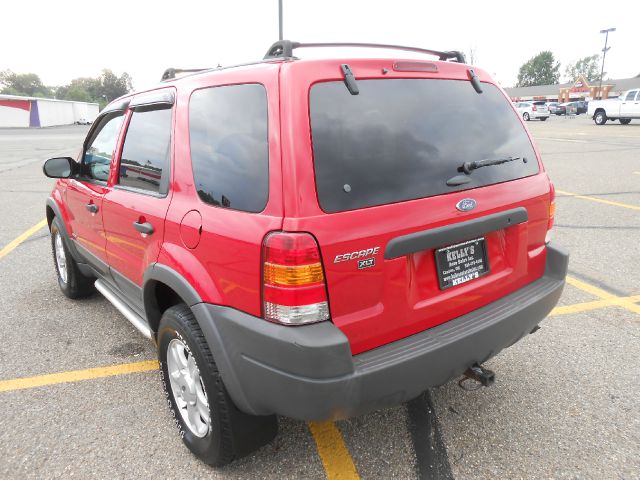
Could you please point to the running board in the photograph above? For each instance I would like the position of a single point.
(135, 319)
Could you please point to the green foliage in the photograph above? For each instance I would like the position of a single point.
(27, 84)
(588, 67)
(102, 89)
(539, 70)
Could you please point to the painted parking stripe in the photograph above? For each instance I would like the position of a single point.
(593, 305)
(599, 200)
(624, 302)
(17, 241)
(77, 375)
(335, 457)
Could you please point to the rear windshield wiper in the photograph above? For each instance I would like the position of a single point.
(467, 167)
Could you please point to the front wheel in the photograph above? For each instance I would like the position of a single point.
(525, 116)
(600, 118)
(70, 279)
(210, 424)
(625, 121)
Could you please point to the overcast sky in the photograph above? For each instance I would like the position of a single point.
(65, 39)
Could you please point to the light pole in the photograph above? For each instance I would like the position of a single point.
(280, 19)
(604, 54)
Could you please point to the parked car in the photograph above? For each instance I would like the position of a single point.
(575, 108)
(624, 108)
(553, 107)
(310, 238)
(83, 121)
(533, 109)
(560, 109)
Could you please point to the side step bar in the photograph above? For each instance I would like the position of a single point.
(135, 319)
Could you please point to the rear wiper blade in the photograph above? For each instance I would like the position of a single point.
(467, 167)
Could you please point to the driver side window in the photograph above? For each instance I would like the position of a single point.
(97, 158)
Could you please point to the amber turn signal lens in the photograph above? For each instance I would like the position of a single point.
(292, 275)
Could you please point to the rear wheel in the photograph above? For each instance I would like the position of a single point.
(600, 117)
(210, 424)
(71, 281)
(625, 121)
(525, 116)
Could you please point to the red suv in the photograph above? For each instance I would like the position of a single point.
(310, 238)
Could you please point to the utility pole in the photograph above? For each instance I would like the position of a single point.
(604, 54)
(280, 37)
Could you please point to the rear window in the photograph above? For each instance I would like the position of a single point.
(403, 139)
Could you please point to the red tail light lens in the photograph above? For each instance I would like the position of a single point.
(552, 212)
(534, 108)
(294, 291)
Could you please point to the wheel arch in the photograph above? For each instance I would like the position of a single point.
(164, 288)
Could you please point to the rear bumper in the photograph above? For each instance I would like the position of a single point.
(309, 373)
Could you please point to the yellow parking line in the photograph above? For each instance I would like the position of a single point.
(624, 302)
(594, 305)
(338, 464)
(599, 200)
(17, 241)
(76, 375)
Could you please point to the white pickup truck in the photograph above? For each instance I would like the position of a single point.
(623, 108)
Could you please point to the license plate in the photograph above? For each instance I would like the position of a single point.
(461, 263)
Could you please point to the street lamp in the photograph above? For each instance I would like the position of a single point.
(604, 54)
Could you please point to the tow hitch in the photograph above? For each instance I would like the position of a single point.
(478, 373)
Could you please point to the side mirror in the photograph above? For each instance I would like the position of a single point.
(60, 167)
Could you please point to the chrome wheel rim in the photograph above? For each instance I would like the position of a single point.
(187, 388)
(61, 258)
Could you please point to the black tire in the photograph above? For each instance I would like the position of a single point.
(600, 118)
(625, 121)
(525, 116)
(542, 119)
(231, 433)
(76, 285)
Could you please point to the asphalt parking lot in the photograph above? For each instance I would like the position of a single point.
(564, 405)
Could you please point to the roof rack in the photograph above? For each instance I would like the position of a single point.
(170, 73)
(284, 49)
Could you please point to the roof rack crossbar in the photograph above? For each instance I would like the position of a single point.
(170, 73)
(284, 49)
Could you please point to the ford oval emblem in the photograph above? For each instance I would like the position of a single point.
(466, 204)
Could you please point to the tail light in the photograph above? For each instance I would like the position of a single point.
(294, 291)
(552, 212)
(534, 108)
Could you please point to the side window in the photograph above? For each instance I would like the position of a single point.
(630, 95)
(146, 153)
(230, 147)
(97, 157)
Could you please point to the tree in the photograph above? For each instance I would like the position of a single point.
(27, 84)
(588, 67)
(539, 70)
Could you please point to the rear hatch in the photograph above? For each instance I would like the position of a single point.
(541, 107)
(408, 239)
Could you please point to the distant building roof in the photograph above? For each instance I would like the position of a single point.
(619, 86)
(19, 97)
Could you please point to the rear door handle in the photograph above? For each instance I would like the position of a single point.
(92, 207)
(143, 227)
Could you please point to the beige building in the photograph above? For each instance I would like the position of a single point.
(578, 90)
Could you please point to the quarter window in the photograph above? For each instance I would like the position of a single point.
(631, 95)
(96, 160)
(147, 151)
(229, 146)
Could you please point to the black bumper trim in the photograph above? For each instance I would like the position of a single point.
(309, 373)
